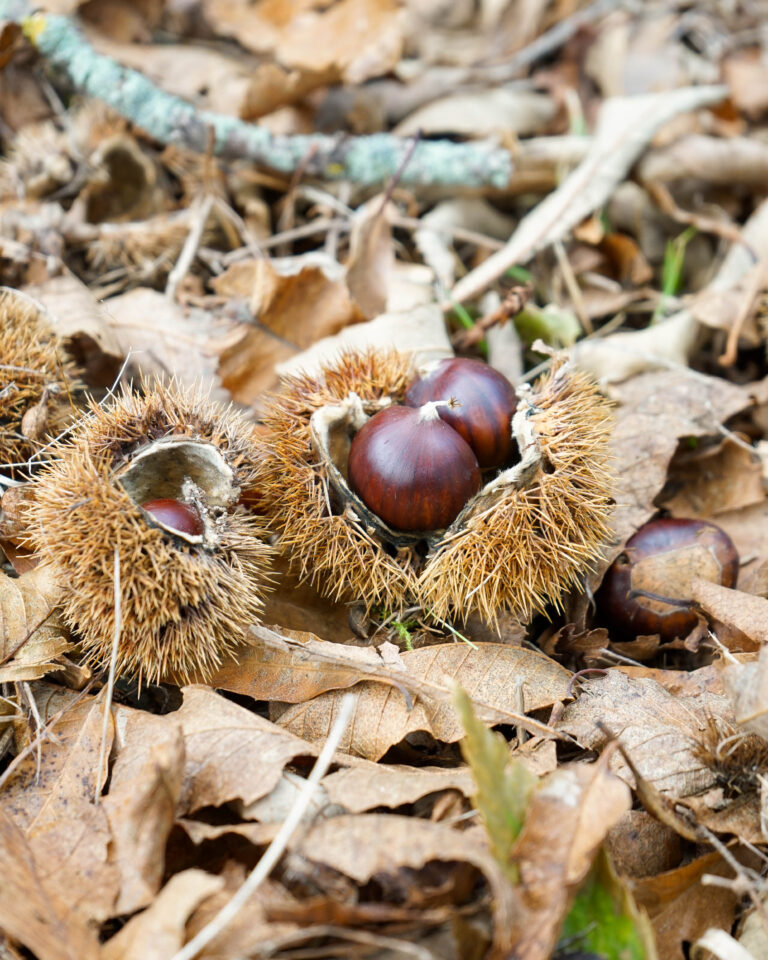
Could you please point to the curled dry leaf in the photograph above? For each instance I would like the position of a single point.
(498, 678)
(230, 752)
(159, 931)
(376, 845)
(419, 332)
(144, 789)
(296, 301)
(32, 634)
(30, 913)
(567, 819)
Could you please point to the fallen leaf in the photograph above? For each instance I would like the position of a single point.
(371, 257)
(358, 38)
(29, 913)
(163, 338)
(420, 332)
(230, 752)
(32, 634)
(567, 819)
(741, 611)
(368, 785)
(501, 112)
(159, 931)
(714, 480)
(658, 731)
(364, 846)
(496, 676)
(296, 302)
(144, 789)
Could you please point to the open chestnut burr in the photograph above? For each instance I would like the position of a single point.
(517, 539)
(648, 588)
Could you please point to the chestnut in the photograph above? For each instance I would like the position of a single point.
(176, 515)
(485, 404)
(411, 469)
(639, 593)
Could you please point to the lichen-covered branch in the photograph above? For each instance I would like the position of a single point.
(169, 119)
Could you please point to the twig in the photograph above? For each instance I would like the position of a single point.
(188, 251)
(573, 287)
(513, 302)
(110, 679)
(171, 120)
(275, 850)
(546, 44)
(730, 354)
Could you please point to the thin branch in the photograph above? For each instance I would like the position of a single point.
(275, 850)
(110, 680)
(171, 120)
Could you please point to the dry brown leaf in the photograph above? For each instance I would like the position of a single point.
(357, 38)
(144, 789)
(501, 112)
(364, 846)
(32, 634)
(712, 481)
(369, 785)
(230, 752)
(159, 931)
(657, 730)
(497, 677)
(748, 528)
(269, 674)
(566, 820)
(747, 687)
(69, 834)
(656, 410)
(296, 302)
(681, 908)
(740, 611)
(29, 913)
(371, 257)
(82, 322)
(419, 331)
(164, 339)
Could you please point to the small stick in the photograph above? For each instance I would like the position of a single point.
(110, 680)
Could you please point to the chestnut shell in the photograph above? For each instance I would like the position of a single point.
(486, 400)
(176, 515)
(414, 473)
(663, 557)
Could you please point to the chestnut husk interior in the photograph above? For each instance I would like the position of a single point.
(332, 428)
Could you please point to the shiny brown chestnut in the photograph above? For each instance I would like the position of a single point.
(176, 515)
(485, 399)
(411, 469)
(638, 594)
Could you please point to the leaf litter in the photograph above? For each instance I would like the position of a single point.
(500, 179)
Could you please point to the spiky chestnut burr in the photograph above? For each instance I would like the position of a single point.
(38, 378)
(484, 404)
(647, 589)
(524, 539)
(534, 531)
(187, 596)
(412, 469)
